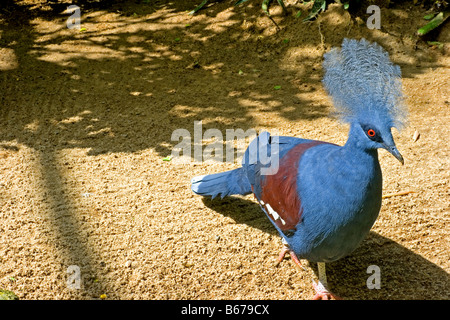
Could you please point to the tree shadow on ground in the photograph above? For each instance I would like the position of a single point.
(139, 72)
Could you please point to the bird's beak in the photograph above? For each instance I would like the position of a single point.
(394, 151)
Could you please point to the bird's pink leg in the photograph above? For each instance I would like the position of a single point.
(283, 252)
(322, 292)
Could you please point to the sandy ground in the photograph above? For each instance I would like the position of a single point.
(87, 117)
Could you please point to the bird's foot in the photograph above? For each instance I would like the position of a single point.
(322, 293)
(281, 256)
(292, 254)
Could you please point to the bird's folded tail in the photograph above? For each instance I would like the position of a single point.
(223, 184)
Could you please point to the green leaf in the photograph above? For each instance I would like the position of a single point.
(277, 87)
(318, 6)
(198, 7)
(440, 45)
(298, 14)
(265, 6)
(429, 16)
(433, 24)
(7, 295)
(168, 158)
(239, 2)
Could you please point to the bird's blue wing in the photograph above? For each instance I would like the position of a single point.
(263, 152)
(277, 190)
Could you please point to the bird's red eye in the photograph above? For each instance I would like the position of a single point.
(371, 133)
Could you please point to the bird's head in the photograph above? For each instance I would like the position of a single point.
(365, 87)
(375, 135)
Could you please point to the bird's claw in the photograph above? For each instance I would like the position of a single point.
(281, 256)
(292, 254)
(322, 293)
